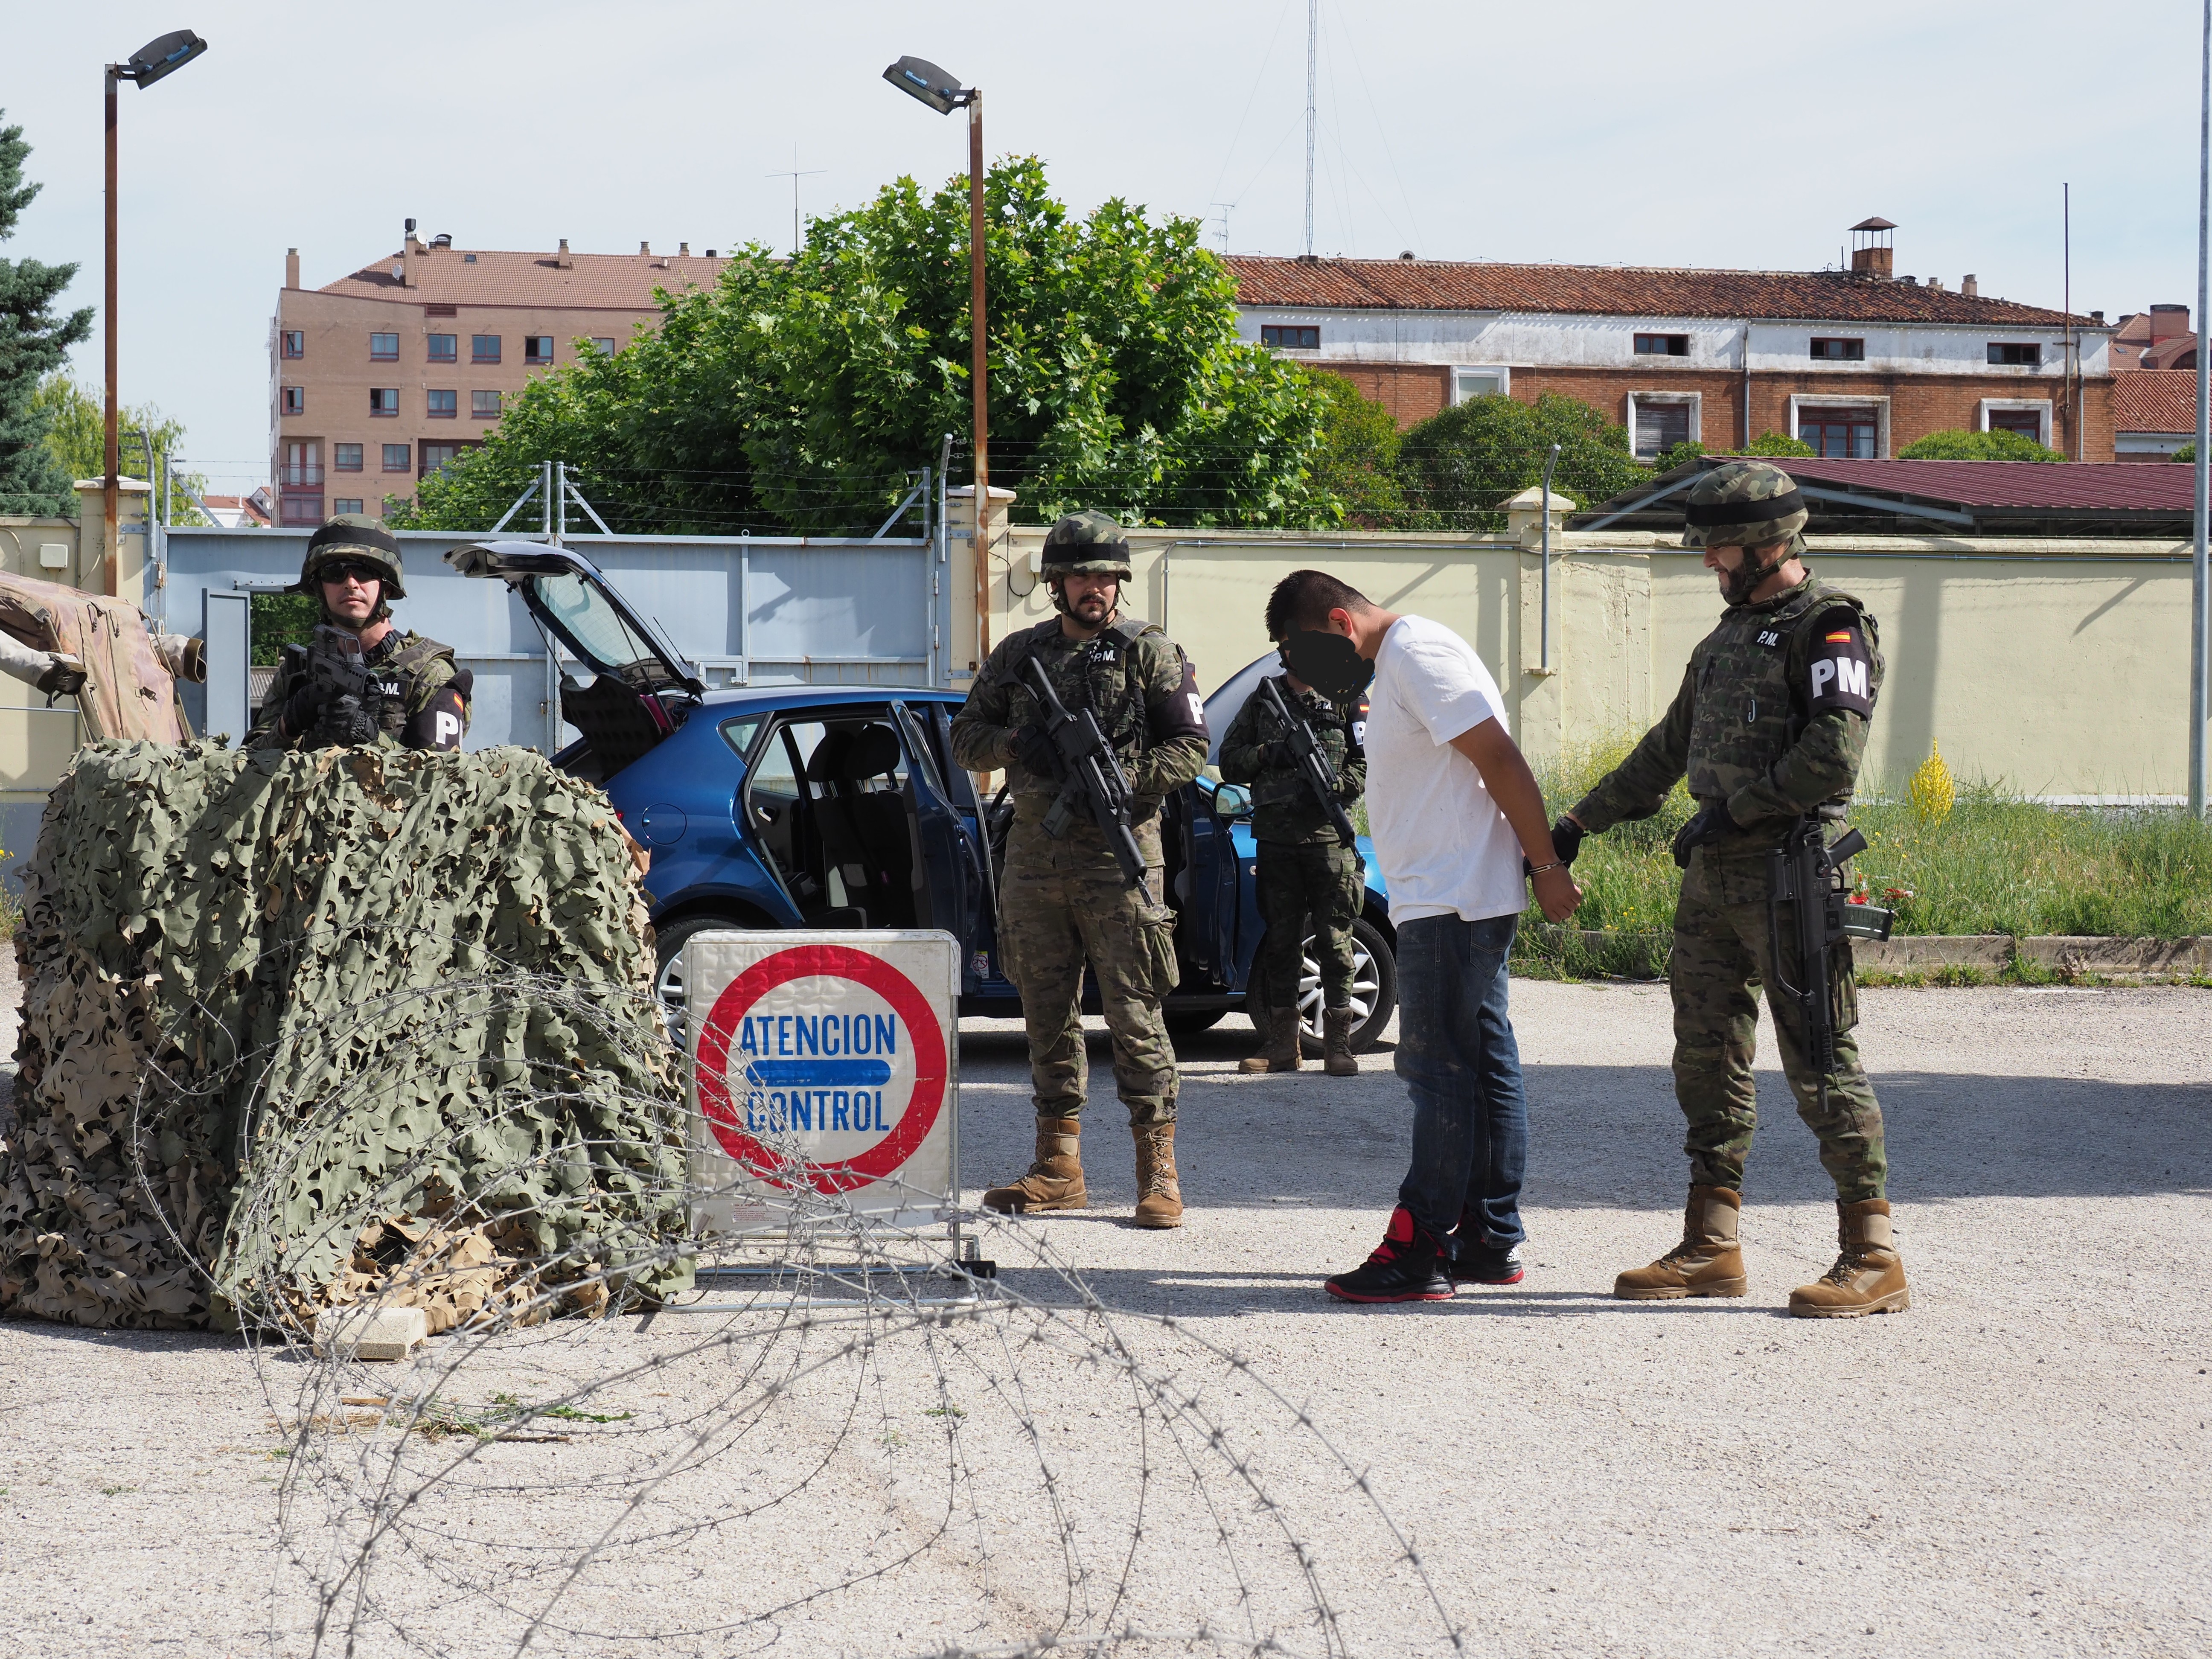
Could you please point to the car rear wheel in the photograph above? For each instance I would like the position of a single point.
(1374, 989)
(668, 966)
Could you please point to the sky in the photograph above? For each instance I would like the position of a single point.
(1580, 130)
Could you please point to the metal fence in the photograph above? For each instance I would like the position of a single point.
(747, 610)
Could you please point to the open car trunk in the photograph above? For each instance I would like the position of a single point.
(640, 689)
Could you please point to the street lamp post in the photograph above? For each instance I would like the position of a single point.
(925, 82)
(152, 61)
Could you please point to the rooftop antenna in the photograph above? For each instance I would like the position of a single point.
(795, 175)
(1225, 207)
(1313, 57)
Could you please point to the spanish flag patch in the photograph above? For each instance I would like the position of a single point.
(1840, 639)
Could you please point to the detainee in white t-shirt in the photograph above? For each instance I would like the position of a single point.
(1454, 812)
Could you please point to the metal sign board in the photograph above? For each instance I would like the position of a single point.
(826, 1062)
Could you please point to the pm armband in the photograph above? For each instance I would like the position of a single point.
(1181, 713)
(1838, 668)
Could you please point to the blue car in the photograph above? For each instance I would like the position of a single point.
(838, 807)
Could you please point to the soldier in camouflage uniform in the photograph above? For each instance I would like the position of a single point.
(1770, 725)
(1305, 869)
(1063, 902)
(416, 699)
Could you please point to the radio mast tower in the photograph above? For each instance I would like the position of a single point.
(1313, 57)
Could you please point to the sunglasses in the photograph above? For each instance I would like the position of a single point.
(343, 570)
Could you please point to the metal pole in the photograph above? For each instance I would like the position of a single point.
(110, 552)
(2200, 587)
(1313, 57)
(560, 502)
(2066, 303)
(1544, 648)
(545, 500)
(979, 371)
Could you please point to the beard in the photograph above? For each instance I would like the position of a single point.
(1738, 584)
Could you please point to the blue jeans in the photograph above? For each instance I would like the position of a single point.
(1456, 1052)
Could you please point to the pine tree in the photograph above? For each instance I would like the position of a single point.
(32, 341)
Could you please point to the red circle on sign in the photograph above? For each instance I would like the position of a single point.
(833, 962)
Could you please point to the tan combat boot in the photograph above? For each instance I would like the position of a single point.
(1159, 1195)
(1868, 1277)
(1281, 1054)
(1054, 1182)
(1707, 1262)
(1336, 1039)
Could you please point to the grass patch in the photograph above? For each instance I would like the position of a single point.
(1995, 863)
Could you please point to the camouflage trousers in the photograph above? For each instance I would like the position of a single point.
(1063, 903)
(1301, 884)
(1721, 957)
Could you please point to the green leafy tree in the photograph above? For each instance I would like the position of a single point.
(1778, 443)
(33, 339)
(2186, 453)
(1961, 446)
(1356, 468)
(1680, 455)
(76, 433)
(1456, 467)
(800, 392)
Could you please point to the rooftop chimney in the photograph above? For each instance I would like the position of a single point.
(561, 259)
(645, 247)
(1936, 283)
(2168, 321)
(683, 250)
(1872, 252)
(291, 267)
(1969, 287)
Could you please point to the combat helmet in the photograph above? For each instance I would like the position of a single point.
(352, 538)
(1091, 543)
(1745, 504)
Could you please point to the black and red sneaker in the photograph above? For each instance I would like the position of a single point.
(1407, 1266)
(1486, 1264)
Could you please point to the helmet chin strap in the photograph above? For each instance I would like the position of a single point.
(1743, 582)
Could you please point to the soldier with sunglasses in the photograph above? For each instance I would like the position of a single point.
(362, 681)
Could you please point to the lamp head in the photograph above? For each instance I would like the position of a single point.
(164, 55)
(920, 79)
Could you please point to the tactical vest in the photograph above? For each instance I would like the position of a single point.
(1284, 807)
(393, 694)
(1750, 697)
(1097, 674)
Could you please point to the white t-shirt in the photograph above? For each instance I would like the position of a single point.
(1445, 845)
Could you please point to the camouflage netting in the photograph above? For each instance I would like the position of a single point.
(304, 1029)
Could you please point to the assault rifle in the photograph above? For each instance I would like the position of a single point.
(345, 688)
(1807, 874)
(1088, 776)
(1320, 776)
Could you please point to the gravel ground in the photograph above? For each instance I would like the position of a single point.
(2018, 1464)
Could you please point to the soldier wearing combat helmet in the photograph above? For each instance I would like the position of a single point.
(1065, 902)
(1769, 726)
(362, 681)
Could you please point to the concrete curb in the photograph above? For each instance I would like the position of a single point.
(1909, 952)
(2083, 954)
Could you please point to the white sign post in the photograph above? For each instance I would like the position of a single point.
(824, 1063)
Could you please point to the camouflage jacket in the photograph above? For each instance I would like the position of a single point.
(1283, 806)
(1135, 678)
(424, 703)
(1770, 719)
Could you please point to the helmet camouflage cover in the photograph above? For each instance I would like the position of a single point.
(355, 540)
(1091, 543)
(1745, 504)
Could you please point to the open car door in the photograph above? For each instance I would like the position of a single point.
(640, 687)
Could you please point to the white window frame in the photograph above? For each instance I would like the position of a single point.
(1504, 381)
(1695, 399)
(2040, 406)
(1879, 403)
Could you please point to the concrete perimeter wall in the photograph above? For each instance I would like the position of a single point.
(2060, 667)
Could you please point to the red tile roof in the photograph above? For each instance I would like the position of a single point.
(2154, 400)
(2075, 486)
(609, 282)
(1619, 291)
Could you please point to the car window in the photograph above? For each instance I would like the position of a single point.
(596, 626)
(740, 734)
(918, 743)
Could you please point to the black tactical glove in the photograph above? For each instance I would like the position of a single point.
(345, 724)
(1036, 751)
(1277, 753)
(1567, 838)
(64, 677)
(303, 708)
(1710, 823)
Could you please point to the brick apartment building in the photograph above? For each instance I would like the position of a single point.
(386, 375)
(1857, 363)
